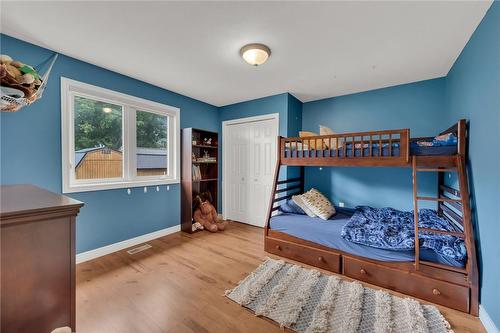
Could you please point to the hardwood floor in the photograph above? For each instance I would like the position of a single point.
(178, 286)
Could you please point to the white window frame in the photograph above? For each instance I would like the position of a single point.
(130, 105)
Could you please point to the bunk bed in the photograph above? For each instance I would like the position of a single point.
(419, 272)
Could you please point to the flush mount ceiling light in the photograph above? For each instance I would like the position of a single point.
(255, 54)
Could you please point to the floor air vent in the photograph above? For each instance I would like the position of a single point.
(139, 249)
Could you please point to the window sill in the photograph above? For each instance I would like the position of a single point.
(117, 185)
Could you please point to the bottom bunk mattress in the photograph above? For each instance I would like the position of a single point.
(328, 233)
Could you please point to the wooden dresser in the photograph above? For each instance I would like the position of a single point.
(37, 259)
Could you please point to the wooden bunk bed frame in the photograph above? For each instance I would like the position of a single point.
(454, 287)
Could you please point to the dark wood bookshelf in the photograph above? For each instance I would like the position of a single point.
(193, 144)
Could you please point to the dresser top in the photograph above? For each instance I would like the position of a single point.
(18, 200)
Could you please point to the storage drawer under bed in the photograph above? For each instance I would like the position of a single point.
(439, 292)
(308, 255)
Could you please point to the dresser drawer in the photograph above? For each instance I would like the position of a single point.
(435, 291)
(315, 257)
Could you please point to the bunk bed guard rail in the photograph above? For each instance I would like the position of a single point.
(383, 148)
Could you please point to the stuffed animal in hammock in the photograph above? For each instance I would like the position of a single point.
(205, 213)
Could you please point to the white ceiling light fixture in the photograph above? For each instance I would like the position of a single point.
(255, 54)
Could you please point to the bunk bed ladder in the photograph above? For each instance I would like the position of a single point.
(460, 201)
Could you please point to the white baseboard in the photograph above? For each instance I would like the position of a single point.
(99, 252)
(488, 323)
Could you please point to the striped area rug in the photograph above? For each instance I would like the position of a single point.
(305, 300)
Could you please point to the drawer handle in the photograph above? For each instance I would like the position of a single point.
(278, 247)
(321, 259)
(362, 271)
(436, 291)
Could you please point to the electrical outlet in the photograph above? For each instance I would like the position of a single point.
(341, 204)
(168, 188)
(157, 188)
(129, 191)
(145, 189)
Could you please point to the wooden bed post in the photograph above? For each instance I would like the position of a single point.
(471, 266)
(415, 212)
(279, 149)
(302, 180)
(404, 142)
(462, 137)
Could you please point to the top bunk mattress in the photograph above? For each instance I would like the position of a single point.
(328, 233)
(376, 151)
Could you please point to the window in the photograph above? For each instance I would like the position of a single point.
(112, 140)
(152, 143)
(98, 139)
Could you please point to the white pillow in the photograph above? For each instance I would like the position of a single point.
(299, 202)
(318, 204)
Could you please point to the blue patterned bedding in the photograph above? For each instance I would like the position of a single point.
(391, 229)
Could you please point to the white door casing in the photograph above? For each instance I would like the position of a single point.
(249, 157)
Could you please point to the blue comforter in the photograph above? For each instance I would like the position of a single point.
(391, 229)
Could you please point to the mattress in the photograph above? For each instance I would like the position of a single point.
(433, 150)
(328, 233)
(376, 151)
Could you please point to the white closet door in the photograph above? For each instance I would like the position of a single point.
(262, 162)
(251, 159)
(237, 172)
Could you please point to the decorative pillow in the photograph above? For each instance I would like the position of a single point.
(290, 207)
(318, 204)
(323, 130)
(298, 200)
(313, 144)
(449, 139)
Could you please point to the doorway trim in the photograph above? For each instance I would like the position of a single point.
(225, 125)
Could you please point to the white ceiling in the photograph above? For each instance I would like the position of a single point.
(319, 49)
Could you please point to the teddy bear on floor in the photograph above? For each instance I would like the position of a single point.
(205, 213)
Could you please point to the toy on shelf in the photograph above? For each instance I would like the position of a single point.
(20, 84)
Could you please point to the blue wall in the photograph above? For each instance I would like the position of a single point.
(31, 150)
(294, 116)
(419, 106)
(473, 92)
